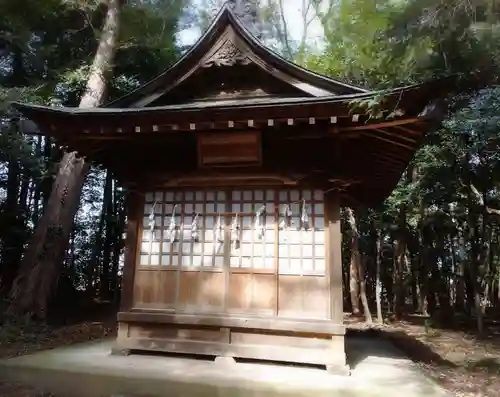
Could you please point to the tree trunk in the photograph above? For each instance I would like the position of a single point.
(44, 256)
(415, 290)
(362, 291)
(38, 274)
(402, 261)
(423, 272)
(36, 187)
(498, 291)
(24, 204)
(472, 219)
(400, 264)
(357, 274)
(378, 287)
(460, 300)
(398, 277)
(453, 287)
(354, 264)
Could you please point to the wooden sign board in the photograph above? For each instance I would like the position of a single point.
(229, 149)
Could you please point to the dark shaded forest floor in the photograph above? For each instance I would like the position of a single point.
(463, 365)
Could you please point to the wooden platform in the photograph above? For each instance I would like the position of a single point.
(315, 342)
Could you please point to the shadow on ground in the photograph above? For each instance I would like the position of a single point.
(411, 347)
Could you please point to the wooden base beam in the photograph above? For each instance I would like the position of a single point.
(226, 344)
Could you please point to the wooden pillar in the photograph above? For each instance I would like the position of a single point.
(133, 202)
(133, 205)
(334, 267)
(334, 256)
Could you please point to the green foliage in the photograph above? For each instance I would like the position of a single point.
(375, 108)
(357, 46)
(462, 36)
(444, 206)
(385, 43)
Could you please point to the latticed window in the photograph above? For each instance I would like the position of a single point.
(273, 230)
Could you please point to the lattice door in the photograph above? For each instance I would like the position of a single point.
(273, 267)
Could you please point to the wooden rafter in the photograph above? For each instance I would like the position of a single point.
(408, 130)
(397, 136)
(386, 124)
(392, 142)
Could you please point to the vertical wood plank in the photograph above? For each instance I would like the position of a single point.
(226, 269)
(276, 202)
(334, 255)
(178, 244)
(135, 204)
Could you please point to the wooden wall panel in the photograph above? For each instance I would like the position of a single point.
(167, 285)
(154, 289)
(252, 293)
(289, 296)
(264, 293)
(316, 297)
(189, 286)
(240, 292)
(211, 290)
(303, 296)
(142, 289)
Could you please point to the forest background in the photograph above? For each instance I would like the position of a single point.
(433, 247)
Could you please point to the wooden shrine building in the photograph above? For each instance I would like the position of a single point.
(237, 163)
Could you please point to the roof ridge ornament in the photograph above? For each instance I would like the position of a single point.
(228, 54)
(247, 12)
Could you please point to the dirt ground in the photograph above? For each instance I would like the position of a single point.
(17, 340)
(465, 366)
(455, 358)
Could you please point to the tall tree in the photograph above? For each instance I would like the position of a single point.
(357, 281)
(44, 255)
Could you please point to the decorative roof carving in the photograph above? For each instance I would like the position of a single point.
(228, 54)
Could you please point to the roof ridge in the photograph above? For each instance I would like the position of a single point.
(227, 17)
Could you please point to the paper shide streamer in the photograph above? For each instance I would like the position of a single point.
(219, 231)
(286, 214)
(195, 233)
(260, 227)
(286, 220)
(304, 218)
(151, 221)
(172, 227)
(235, 230)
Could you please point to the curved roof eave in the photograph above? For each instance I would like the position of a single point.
(223, 18)
(265, 102)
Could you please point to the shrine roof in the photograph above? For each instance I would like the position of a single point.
(228, 69)
(230, 83)
(418, 92)
(227, 42)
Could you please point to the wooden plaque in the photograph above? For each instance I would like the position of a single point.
(229, 149)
